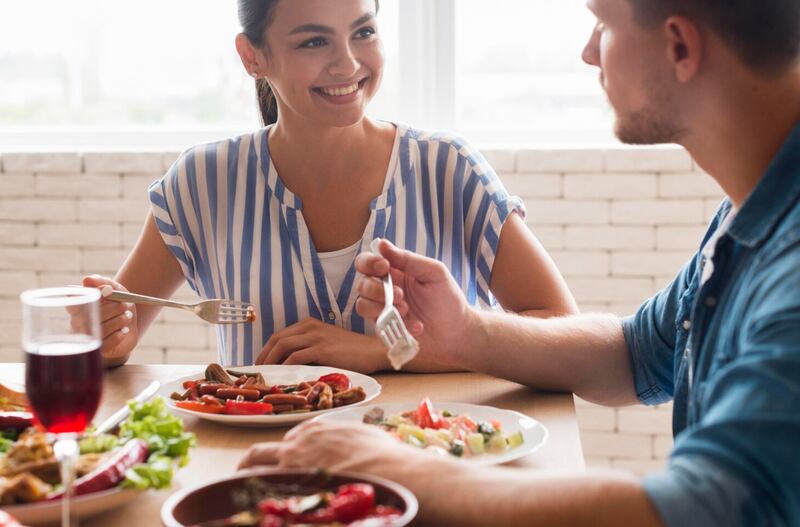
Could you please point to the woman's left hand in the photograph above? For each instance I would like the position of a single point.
(314, 342)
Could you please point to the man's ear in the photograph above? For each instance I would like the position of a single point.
(251, 58)
(684, 47)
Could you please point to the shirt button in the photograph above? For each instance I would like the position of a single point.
(687, 325)
(331, 315)
(711, 301)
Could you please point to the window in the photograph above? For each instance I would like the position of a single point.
(519, 74)
(167, 74)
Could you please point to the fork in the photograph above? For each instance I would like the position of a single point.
(390, 327)
(214, 311)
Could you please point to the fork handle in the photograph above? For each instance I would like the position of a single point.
(388, 287)
(121, 296)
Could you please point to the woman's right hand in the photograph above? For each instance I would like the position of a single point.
(118, 323)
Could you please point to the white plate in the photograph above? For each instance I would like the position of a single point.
(274, 374)
(533, 431)
(83, 506)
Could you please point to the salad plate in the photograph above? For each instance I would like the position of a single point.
(483, 435)
(274, 376)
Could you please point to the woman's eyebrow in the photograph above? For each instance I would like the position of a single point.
(312, 28)
(363, 19)
(318, 28)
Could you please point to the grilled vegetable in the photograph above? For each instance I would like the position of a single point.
(110, 473)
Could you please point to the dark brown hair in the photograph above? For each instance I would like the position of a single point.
(255, 17)
(765, 34)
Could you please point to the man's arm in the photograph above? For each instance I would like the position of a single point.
(452, 492)
(467, 496)
(583, 354)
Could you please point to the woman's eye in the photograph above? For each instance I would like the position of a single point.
(313, 43)
(365, 32)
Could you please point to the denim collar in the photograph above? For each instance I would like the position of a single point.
(777, 191)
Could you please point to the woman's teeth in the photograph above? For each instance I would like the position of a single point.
(338, 92)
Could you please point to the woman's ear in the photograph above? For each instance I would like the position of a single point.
(251, 57)
(684, 47)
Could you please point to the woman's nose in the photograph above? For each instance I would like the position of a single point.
(345, 64)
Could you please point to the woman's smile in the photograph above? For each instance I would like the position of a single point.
(341, 93)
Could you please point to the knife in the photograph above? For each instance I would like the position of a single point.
(117, 417)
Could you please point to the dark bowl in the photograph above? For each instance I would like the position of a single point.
(214, 500)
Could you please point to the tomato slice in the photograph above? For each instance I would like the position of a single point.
(198, 406)
(246, 407)
(353, 502)
(426, 416)
(339, 382)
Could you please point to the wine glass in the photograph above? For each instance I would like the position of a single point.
(64, 371)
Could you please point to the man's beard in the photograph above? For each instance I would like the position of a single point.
(655, 123)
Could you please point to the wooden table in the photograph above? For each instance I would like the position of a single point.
(220, 448)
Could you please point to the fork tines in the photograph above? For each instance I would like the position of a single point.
(236, 312)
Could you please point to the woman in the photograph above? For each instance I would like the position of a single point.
(276, 217)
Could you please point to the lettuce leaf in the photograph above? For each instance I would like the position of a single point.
(168, 443)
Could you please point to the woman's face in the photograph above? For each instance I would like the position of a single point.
(324, 59)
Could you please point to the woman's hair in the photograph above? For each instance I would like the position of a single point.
(254, 17)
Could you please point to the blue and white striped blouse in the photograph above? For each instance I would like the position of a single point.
(239, 233)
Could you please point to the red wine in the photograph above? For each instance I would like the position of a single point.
(63, 381)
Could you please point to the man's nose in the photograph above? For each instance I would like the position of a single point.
(591, 51)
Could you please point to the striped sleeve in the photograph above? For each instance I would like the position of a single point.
(489, 207)
(174, 217)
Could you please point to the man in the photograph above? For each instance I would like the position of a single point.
(723, 339)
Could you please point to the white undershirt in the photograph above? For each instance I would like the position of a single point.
(337, 263)
(711, 246)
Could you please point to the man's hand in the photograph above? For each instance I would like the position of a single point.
(314, 342)
(335, 447)
(425, 294)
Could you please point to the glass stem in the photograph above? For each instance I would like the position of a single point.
(66, 452)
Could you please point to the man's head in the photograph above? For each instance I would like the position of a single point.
(652, 55)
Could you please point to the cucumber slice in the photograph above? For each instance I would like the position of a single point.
(515, 439)
(475, 444)
(497, 443)
(405, 431)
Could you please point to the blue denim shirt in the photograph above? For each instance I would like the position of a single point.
(728, 352)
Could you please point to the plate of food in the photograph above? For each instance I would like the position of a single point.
(289, 497)
(477, 434)
(267, 395)
(112, 469)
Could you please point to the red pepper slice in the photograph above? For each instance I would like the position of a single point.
(15, 420)
(339, 382)
(246, 408)
(198, 406)
(109, 473)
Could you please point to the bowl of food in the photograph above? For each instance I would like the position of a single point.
(289, 497)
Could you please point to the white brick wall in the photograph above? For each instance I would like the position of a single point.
(619, 222)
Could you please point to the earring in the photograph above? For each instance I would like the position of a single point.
(254, 74)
